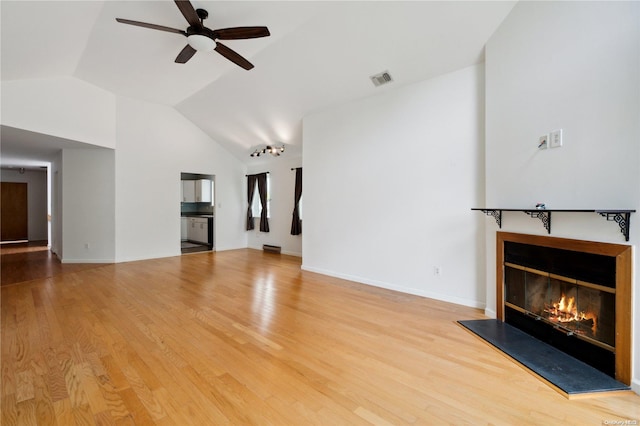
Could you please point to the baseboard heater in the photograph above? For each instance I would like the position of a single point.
(271, 249)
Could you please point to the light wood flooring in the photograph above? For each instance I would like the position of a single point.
(245, 337)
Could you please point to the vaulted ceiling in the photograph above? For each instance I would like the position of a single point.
(319, 54)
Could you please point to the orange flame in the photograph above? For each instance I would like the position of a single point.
(566, 311)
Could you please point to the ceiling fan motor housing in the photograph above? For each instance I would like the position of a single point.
(201, 31)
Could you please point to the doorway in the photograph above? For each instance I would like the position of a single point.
(14, 218)
(197, 212)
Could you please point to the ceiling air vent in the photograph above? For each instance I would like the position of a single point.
(382, 78)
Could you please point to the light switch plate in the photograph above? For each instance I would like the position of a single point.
(555, 139)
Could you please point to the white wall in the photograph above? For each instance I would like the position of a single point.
(64, 107)
(88, 203)
(575, 66)
(36, 181)
(125, 205)
(155, 144)
(283, 181)
(389, 182)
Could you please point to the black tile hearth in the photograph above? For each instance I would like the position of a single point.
(570, 375)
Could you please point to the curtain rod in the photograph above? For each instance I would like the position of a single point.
(295, 168)
(256, 174)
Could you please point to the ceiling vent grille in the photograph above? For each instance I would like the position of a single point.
(382, 78)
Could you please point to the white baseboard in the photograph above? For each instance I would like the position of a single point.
(635, 386)
(490, 313)
(150, 257)
(223, 248)
(402, 289)
(88, 261)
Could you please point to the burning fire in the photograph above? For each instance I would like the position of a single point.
(566, 311)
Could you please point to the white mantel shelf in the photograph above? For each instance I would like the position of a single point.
(621, 217)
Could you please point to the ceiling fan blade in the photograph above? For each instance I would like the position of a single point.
(237, 33)
(189, 13)
(152, 26)
(185, 54)
(233, 56)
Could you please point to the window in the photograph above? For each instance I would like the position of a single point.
(256, 208)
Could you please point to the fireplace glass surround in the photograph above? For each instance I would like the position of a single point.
(565, 298)
(584, 309)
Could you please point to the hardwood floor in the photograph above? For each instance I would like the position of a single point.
(21, 262)
(244, 337)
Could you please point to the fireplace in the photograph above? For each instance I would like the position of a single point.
(572, 294)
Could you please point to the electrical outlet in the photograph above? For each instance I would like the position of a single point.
(437, 271)
(555, 139)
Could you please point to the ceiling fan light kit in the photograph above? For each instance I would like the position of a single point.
(201, 43)
(203, 39)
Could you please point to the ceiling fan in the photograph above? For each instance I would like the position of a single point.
(201, 38)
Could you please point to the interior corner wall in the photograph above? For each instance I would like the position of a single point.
(36, 181)
(573, 66)
(88, 222)
(389, 182)
(282, 184)
(155, 144)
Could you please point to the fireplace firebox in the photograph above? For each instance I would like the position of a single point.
(572, 294)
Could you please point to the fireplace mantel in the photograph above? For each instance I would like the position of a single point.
(621, 217)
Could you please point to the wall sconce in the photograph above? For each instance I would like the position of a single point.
(269, 149)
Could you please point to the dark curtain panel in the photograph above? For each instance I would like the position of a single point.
(251, 189)
(262, 191)
(296, 223)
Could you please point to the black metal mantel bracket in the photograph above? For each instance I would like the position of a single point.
(543, 215)
(621, 217)
(496, 214)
